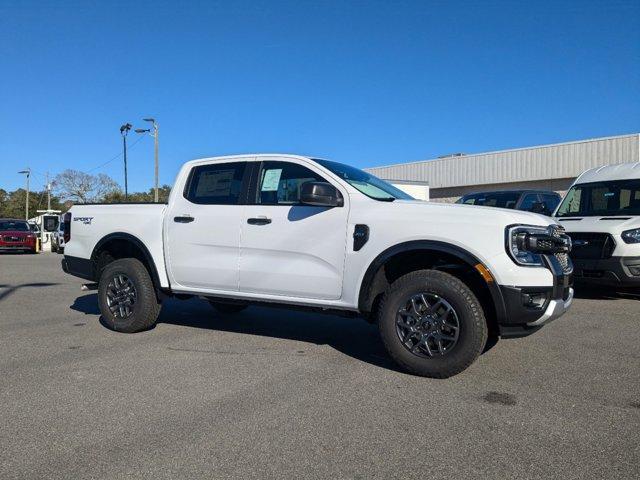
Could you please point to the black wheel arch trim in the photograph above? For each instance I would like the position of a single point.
(135, 241)
(364, 302)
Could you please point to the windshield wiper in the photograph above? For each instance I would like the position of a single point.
(386, 199)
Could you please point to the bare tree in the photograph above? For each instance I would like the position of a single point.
(82, 187)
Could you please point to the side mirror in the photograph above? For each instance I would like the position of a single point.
(320, 194)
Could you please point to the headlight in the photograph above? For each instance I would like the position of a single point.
(517, 248)
(631, 236)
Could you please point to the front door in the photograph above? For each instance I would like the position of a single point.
(202, 228)
(287, 248)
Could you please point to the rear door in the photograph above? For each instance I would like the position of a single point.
(202, 227)
(288, 248)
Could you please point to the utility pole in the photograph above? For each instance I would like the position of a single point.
(124, 129)
(48, 193)
(155, 149)
(27, 172)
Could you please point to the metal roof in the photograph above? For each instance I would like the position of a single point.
(611, 172)
(544, 162)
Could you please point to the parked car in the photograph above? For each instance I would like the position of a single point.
(536, 201)
(57, 239)
(601, 214)
(16, 235)
(299, 232)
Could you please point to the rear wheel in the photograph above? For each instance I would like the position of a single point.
(432, 324)
(227, 308)
(126, 295)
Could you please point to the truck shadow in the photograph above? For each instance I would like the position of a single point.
(351, 336)
(603, 293)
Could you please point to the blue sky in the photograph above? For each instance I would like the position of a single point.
(363, 82)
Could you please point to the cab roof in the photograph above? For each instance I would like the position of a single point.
(623, 171)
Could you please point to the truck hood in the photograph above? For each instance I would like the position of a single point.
(614, 225)
(474, 213)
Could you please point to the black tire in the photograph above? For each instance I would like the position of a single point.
(145, 308)
(227, 308)
(472, 326)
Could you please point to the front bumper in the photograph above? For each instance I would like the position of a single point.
(12, 247)
(614, 271)
(527, 309)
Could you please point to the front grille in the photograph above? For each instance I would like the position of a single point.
(591, 245)
(11, 238)
(563, 258)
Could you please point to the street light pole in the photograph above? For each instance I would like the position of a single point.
(124, 129)
(48, 193)
(27, 172)
(155, 148)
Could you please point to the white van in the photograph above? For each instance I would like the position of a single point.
(601, 214)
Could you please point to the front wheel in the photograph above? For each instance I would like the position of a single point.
(432, 324)
(126, 295)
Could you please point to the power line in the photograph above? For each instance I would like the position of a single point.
(113, 159)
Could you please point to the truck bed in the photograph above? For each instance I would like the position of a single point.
(99, 222)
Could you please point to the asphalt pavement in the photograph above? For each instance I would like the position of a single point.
(271, 393)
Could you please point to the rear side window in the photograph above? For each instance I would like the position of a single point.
(529, 200)
(216, 184)
(493, 199)
(279, 183)
(550, 201)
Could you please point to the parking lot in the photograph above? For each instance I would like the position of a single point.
(279, 394)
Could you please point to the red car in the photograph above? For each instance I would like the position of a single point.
(16, 235)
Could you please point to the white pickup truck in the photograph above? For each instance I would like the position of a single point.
(438, 279)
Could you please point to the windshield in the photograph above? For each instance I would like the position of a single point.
(15, 225)
(366, 183)
(494, 199)
(616, 197)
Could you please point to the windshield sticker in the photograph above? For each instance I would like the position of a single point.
(271, 180)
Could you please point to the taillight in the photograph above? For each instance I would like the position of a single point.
(67, 227)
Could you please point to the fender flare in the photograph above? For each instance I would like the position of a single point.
(135, 241)
(432, 245)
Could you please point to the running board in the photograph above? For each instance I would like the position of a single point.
(89, 286)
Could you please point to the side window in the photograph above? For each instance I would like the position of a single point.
(528, 201)
(216, 184)
(550, 201)
(279, 183)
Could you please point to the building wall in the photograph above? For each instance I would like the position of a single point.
(417, 191)
(545, 162)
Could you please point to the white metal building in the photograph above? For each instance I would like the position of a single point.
(549, 167)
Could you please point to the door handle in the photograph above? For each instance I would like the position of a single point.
(183, 219)
(259, 221)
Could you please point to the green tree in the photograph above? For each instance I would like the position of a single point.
(12, 204)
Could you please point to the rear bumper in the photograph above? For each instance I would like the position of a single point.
(614, 271)
(78, 267)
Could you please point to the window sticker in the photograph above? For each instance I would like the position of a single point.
(271, 180)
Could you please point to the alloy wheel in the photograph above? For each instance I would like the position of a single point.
(427, 325)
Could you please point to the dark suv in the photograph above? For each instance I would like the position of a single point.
(537, 201)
